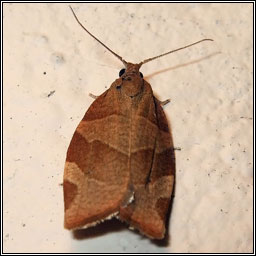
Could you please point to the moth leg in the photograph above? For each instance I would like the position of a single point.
(93, 96)
(162, 103)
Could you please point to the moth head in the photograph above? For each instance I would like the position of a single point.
(131, 79)
(130, 70)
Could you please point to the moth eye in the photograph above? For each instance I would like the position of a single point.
(122, 71)
(141, 75)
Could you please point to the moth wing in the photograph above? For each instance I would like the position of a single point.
(96, 175)
(153, 177)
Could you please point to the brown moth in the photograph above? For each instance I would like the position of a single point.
(120, 162)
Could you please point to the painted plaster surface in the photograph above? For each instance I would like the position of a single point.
(50, 67)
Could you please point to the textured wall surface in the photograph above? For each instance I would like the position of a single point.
(50, 67)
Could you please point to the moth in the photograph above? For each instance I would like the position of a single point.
(120, 162)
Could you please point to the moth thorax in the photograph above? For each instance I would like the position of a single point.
(132, 85)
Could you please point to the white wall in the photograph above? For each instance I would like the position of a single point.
(210, 86)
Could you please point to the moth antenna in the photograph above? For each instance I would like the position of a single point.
(119, 57)
(150, 59)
